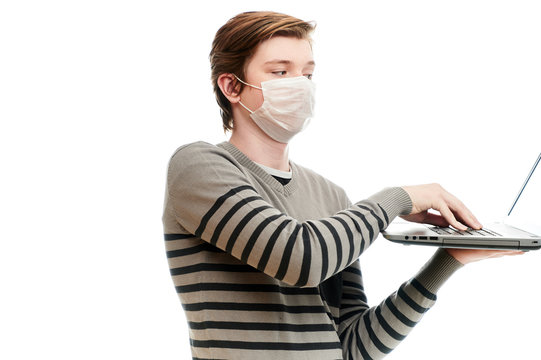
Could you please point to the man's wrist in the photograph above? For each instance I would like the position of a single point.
(437, 270)
(394, 200)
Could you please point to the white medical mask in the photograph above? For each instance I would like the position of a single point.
(288, 106)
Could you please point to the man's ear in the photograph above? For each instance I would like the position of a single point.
(230, 87)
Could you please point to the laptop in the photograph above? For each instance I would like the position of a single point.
(520, 230)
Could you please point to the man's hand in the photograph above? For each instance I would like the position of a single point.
(466, 256)
(433, 196)
(453, 212)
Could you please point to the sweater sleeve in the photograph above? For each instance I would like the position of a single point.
(372, 333)
(214, 200)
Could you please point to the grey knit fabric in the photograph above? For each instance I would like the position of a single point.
(271, 271)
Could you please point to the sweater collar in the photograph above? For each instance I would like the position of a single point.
(287, 189)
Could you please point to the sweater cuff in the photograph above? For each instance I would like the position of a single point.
(437, 270)
(395, 201)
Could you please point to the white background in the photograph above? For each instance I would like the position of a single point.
(96, 95)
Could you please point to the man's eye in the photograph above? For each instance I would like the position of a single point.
(281, 73)
(309, 76)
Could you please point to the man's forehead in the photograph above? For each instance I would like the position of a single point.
(283, 47)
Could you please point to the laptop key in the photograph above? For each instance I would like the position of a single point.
(469, 231)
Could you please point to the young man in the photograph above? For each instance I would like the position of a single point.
(264, 252)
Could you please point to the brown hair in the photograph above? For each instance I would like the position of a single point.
(236, 41)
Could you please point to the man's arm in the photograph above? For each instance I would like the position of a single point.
(213, 200)
(372, 333)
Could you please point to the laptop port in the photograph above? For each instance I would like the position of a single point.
(422, 237)
(433, 238)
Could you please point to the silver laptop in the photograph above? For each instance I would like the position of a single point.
(521, 229)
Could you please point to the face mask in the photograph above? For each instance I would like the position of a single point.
(288, 105)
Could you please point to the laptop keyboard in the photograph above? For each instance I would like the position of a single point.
(468, 232)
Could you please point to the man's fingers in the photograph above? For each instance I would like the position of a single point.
(467, 220)
(435, 219)
(466, 256)
(463, 213)
(500, 253)
(448, 215)
(455, 213)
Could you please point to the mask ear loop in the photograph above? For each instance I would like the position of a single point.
(245, 83)
(244, 106)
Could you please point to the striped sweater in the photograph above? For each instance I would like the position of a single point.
(271, 271)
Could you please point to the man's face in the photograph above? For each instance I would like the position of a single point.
(278, 57)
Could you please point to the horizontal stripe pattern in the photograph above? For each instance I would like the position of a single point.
(254, 307)
(295, 244)
(211, 267)
(246, 288)
(341, 237)
(372, 333)
(266, 345)
(249, 276)
(251, 326)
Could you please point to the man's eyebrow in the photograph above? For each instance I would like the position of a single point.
(286, 62)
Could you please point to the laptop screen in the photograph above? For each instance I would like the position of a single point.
(525, 213)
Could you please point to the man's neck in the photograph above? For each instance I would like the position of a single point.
(262, 149)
